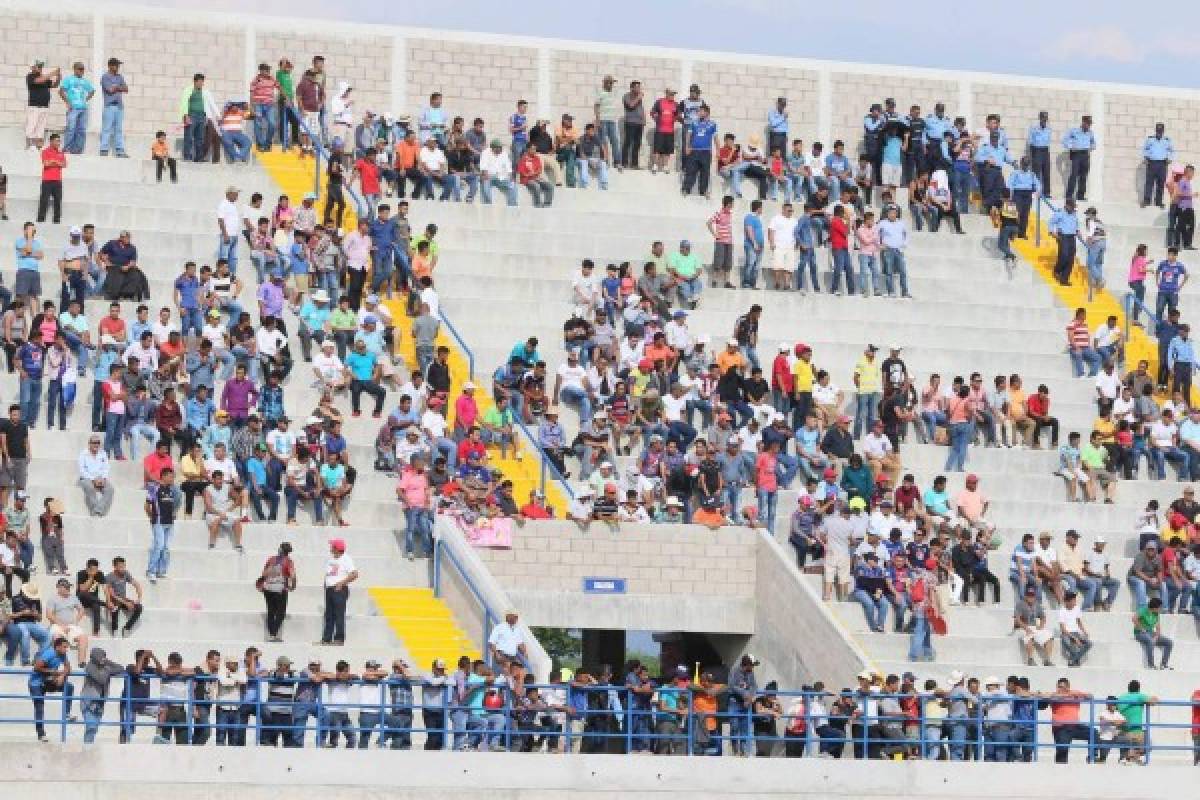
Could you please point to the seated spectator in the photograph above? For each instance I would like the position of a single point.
(123, 594)
(1072, 632)
(1029, 625)
(972, 506)
(93, 478)
(64, 612)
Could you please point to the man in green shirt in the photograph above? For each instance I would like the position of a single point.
(497, 427)
(608, 111)
(288, 121)
(1147, 629)
(683, 267)
(1132, 706)
(1093, 457)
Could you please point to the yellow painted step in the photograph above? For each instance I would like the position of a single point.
(424, 623)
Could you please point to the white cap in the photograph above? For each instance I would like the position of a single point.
(991, 680)
(604, 464)
(731, 342)
(783, 348)
(468, 385)
(956, 677)
(1101, 540)
(704, 339)
(674, 501)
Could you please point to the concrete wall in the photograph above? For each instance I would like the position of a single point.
(396, 68)
(677, 578)
(107, 772)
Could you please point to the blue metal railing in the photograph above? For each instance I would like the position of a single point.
(613, 718)
(1133, 307)
(462, 343)
(442, 551)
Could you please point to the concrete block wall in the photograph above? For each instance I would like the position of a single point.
(396, 68)
(742, 94)
(56, 38)
(476, 80)
(653, 559)
(362, 60)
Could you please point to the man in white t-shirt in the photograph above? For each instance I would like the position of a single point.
(1108, 383)
(340, 572)
(229, 225)
(1072, 632)
(435, 425)
(781, 236)
(675, 413)
(880, 456)
(507, 641)
(328, 368)
(431, 161)
(570, 386)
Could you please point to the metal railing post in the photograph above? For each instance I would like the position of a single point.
(191, 709)
(631, 721)
(1037, 223)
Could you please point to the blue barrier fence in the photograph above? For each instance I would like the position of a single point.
(675, 719)
(444, 554)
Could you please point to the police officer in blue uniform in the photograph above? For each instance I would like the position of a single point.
(1158, 152)
(1065, 227)
(1039, 150)
(874, 125)
(1023, 182)
(990, 159)
(1079, 142)
(914, 144)
(936, 126)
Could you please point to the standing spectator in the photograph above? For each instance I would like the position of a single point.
(277, 580)
(720, 225)
(51, 673)
(163, 500)
(665, 112)
(264, 89)
(38, 83)
(339, 574)
(197, 109)
(76, 91)
(893, 239)
(54, 161)
(112, 131)
(607, 113)
(698, 141)
(285, 112)
(229, 226)
(1170, 276)
(1157, 151)
(1079, 142)
(634, 123)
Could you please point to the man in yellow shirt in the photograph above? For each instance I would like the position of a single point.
(868, 382)
(802, 383)
(1023, 424)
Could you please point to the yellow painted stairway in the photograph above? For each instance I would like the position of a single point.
(294, 175)
(424, 624)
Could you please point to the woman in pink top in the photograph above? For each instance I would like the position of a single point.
(412, 490)
(1137, 277)
(933, 407)
(960, 422)
(766, 481)
(466, 411)
(867, 236)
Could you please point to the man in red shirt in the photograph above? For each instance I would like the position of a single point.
(113, 325)
(1038, 409)
(536, 508)
(839, 243)
(666, 113)
(720, 225)
(530, 173)
(368, 180)
(157, 461)
(53, 162)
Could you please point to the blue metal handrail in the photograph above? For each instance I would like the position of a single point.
(547, 464)
(462, 343)
(1132, 306)
(490, 618)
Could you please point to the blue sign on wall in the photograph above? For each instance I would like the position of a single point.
(604, 585)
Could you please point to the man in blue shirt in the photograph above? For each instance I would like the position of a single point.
(697, 152)
(363, 370)
(753, 239)
(837, 170)
(187, 300)
(385, 254)
(777, 126)
(1171, 276)
(30, 358)
(112, 129)
(518, 126)
(76, 91)
(1065, 227)
(1165, 331)
(1038, 139)
(936, 126)
(1023, 182)
(874, 127)
(50, 674)
(1181, 358)
(990, 159)
(1080, 141)
(1158, 151)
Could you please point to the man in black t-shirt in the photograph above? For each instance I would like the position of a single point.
(893, 369)
(39, 82)
(14, 453)
(89, 588)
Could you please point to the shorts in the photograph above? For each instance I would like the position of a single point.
(783, 259)
(722, 256)
(892, 174)
(15, 473)
(226, 524)
(28, 283)
(1040, 636)
(1076, 475)
(300, 281)
(35, 122)
(664, 143)
(68, 632)
(837, 566)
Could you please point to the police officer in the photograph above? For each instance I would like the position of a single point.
(990, 159)
(992, 124)
(874, 124)
(1065, 227)
(914, 143)
(1158, 151)
(1039, 151)
(1080, 142)
(936, 126)
(1023, 182)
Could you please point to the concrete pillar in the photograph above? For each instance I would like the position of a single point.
(825, 109)
(1095, 191)
(399, 74)
(603, 647)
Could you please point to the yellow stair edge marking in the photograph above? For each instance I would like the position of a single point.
(425, 637)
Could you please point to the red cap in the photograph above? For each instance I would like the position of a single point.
(338, 544)
(645, 365)
(830, 473)
(972, 478)
(802, 348)
(1178, 520)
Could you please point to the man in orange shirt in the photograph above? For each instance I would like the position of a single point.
(407, 150)
(659, 350)
(53, 162)
(1064, 718)
(709, 515)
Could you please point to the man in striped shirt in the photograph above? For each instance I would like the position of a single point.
(1079, 345)
(720, 225)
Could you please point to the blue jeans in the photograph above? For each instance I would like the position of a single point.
(112, 129)
(960, 188)
(1091, 587)
(418, 525)
(114, 430)
(920, 646)
(1177, 456)
(264, 124)
(160, 549)
(690, 289)
(601, 173)
(1004, 240)
(55, 401)
(750, 265)
(841, 265)
(30, 399)
(894, 266)
(1095, 261)
(960, 437)
(874, 608)
(608, 131)
(20, 634)
(472, 182)
(75, 132)
(509, 187)
(1081, 355)
(730, 495)
(1141, 591)
(806, 258)
(739, 729)
(869, 266)
(766, 508)
(228, 249)
(865, 404)
(190, 319)
(237, 145)
(93, 713)
(194, 137)
(1164, 301)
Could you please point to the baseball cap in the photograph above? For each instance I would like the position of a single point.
(338, 544)
(76, 230)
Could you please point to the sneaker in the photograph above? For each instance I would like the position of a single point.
(152, 578)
